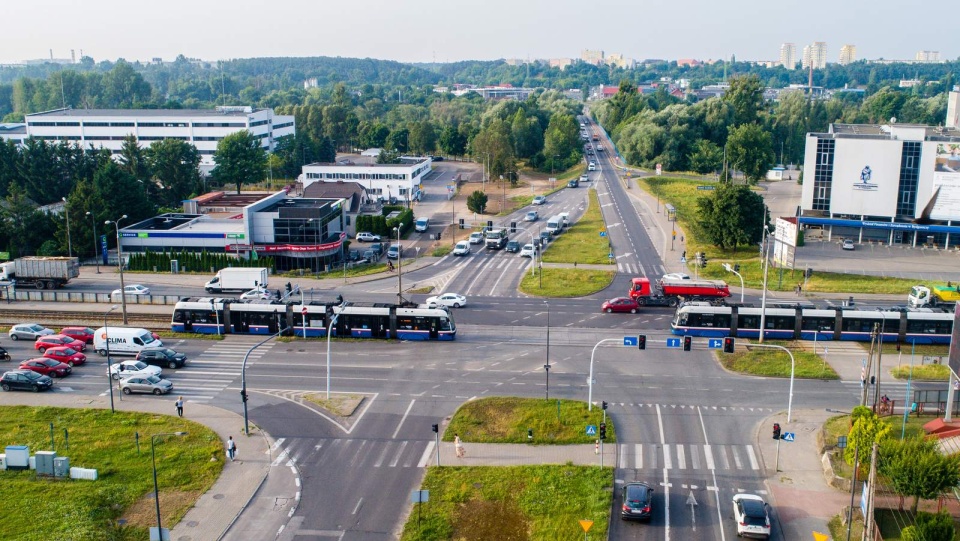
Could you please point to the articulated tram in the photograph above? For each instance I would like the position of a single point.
(911, 326)
(358, 320)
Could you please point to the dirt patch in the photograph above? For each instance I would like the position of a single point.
(339, 405)
(173, 506)
(501, 520)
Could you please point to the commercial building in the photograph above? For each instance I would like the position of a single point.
(788, 55)
(392, 183)
(896, 184)
(953, 109)
(203, 128)
(848, 54)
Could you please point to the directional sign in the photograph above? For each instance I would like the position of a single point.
(715, 343)
(591, 430)
(706, 187)
(630, 341)
(789, 436)
(673, 342)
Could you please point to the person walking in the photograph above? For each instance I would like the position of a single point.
(458, 446)
(180, 407)
(799, 289)
(231, 449)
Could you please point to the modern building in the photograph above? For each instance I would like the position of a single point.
(815, 55)
(15, 132)
(392, 183)
(562, 63)
(928, 56)
(848, 54)
(203, 128)
(592, 57)
(896, 184)
(788, 55)
(953, 109)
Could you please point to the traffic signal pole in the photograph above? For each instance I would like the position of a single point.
(793, 366)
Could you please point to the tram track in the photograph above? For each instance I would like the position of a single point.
(55, 318)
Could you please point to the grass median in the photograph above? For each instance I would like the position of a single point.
(187, 466)
(565, 282)
(776, 363)
(581, 242)
(505, 419)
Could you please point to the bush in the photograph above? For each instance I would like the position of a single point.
(192, 261)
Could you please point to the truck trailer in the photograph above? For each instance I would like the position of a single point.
(41, 272)
(238, 279)
(672, 292)
(933, 296)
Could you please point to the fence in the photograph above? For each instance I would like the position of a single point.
(87, 297)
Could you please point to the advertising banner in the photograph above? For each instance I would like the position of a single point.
(946, 183)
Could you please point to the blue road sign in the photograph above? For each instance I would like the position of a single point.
(789, 436)
(591, 430)
(603, 233)
(673, 342)
(630, 341)
(706, 187)
(715, 343)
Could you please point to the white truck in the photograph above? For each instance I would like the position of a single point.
(933, 296)
(41, 272)
(238, 279)
(496, 239)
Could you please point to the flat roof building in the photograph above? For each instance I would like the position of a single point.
(390, 183)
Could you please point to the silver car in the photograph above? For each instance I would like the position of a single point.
(29, 331)
(146, 384)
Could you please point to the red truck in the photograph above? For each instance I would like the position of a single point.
(673, 291)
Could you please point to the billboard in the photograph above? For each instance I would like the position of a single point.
(954, 358)
(866, 177)
(944, 202)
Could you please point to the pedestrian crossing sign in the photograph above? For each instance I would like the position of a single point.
(591, 430)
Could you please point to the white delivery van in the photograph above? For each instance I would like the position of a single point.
(555, 225)
(123, 340)
(564, 220)
(421, 225)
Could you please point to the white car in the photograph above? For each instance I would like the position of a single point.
(454, 300)
(367, 237)
(462, 248)
(256, 294)
(752, 516)
(131, 368)
(132, 289)
(539, 200)
(29, 331)
(531, 216)
(592, 167)
(528, 250)
(848, 245)
(476, 238)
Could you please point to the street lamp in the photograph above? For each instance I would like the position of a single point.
(766, 265)
(793, 366)
(123, 296)
(243, 372)
(399, 265)
(96, 245)
(333, 321)
(730, 268)
(590, 378)
(546, 367)
(156, 486)
(106, 338)
(66, 209)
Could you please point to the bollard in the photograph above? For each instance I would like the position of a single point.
(596, 448)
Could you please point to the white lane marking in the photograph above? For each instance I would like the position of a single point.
(681, 460)
(667, 459)
(425, 457)
(713, 472)
(753, 458)
(666, 480)
(639, 452)
(357, 508)
(396, 458)
(402, 419)
(694, 458)
(736, 457)
(622, 462)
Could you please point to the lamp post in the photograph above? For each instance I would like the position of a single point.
(399, 265)
(793, 366)
(96, 245)
(766, 265)
(243, 372)
(546, 367)
(123, 296)
(156, 486)
(106, 338)
(66, 209)
(333, 321)
(729, 268)
(590, 378)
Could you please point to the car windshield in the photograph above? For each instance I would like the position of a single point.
(68, 351)
(31, 375)
(168, 352)
(137, 366)
(35, 328)
(153, 379)
(49, 362)
(65, 340)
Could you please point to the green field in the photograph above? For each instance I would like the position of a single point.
(776, 363)
(581, 242)
(503, 419)
(565, 282)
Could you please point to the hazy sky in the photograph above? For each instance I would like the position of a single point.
(450, 30)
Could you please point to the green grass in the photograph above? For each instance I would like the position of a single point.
(924, 372)
(565, 282)
(170, 335)
(80, 510)
(775, 363)
(838, 529)
(919, 350)
(581, 242)
(502, 419)
(535, 503)
(441, 251)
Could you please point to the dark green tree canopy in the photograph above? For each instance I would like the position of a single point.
(732, 217)
(240, 160)
(477, 202)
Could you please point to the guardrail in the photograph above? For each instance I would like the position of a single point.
(88, 297)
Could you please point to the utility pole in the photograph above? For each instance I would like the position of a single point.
(871, 481)
(868, 369)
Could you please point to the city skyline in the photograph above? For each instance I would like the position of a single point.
(422, 31)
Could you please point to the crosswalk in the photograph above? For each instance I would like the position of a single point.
(364, 454)
(692, 457)
(214, 369)
(638, 269)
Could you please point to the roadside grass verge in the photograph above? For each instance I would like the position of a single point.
(187, 467)
(170, 335)
(924, 372)
(776, 363)
(934, 350)
(504, 419)
(581, 242)
(441, 251)
(565, 282)
(515, 502)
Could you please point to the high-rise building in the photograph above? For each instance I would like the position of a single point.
(788, 55)
(815, 55)
(805, 57)
(848, 54)
(592, 57)
(928, 56)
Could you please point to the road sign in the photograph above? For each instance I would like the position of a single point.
(630, 341)
(673, 342)
(715, 343)
(706, 187)
(603, 233)
(420, 496)
(303, 310)
(585, 524)
(789, 436)
(610, 255)
(591, 430)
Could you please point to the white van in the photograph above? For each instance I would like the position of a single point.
(564, 220)
(555, 225)
(123, 340)
(421, 225)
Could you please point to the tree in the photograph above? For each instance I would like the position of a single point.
(422, 138)
(562, 138)
(527, 135)
(133, 161)
(732, 216)
(745, 95)
(452, 141)
(867, 429)
(373, 135)
(493, 146)
(930, 527)
(116, 193)
(175, 169)
(398, 140)
(706, 158)
(240, 160)
(477, 202)
(750, 150)
(916, 468)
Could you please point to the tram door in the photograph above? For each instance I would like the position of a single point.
(434, 334)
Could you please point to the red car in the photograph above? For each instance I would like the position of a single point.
(58, 340)
(65, 355)
(620, 304)
(84, 334)
(46, 367)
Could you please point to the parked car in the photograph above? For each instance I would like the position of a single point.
(395, 251)
(28, 331)
(132, 289)
(454, 300)
(540, 200)
(513, 246)
(753, 519)
(462, 248)
(25, 380)
(620, 304)
(127, 369)
(66, 355)
(58, 340)
(848, 245)
(367, 237)
(146, 384)
(47, 367)
(528, 250)
(637, 501)
(476, 238)
(84, 334)
(531, 216)
(377, 247)
(162, 357)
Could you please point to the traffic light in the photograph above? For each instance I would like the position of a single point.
(289, 287)
(461, 223)
(642, 341)
(703, 259)
(243, 395)
(436, 428)
(687, 343)
(529, 433)
(603, 431)
(776, 431)
(490, 224)
(603, 404)
(729, 345)
(736, 267)
(513, 227)
(438, 235)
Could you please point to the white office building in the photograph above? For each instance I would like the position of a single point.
(396, 183)
(203, 128)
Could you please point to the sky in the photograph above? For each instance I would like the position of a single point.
(453, 30)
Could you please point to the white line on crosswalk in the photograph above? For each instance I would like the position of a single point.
(695, 460)
(681, 460)
(639, 452)
(623, 457)
(736, 458)
(425, 457)
(753, 458)
(667, 459)
(396, 458)
(708, 455)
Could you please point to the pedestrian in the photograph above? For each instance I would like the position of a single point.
(180, 407)
(231, 448)
(799, 288)
(458, 446)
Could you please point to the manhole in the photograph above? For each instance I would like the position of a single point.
(218, 496)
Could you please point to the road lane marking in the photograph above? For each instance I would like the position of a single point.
(425, 457)
(402, 419)
(681, 460)
(753, 458)
(638, 450)
(396, 458)
(713, 472)
(666, 480)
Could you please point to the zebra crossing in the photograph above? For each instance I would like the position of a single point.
(689, 457)
(694, 407)
(637, 269)
(361, 453)
(215, 369)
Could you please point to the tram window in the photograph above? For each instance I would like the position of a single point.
(928, 327)
(853, 324)
(178, 316)
(780, 322)
(817, 323)
(749, 322)
(445, 324)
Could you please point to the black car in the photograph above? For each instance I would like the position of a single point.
(25, 380)
(513, 246)
(637, 499)
(378, 248)
(162, 357)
